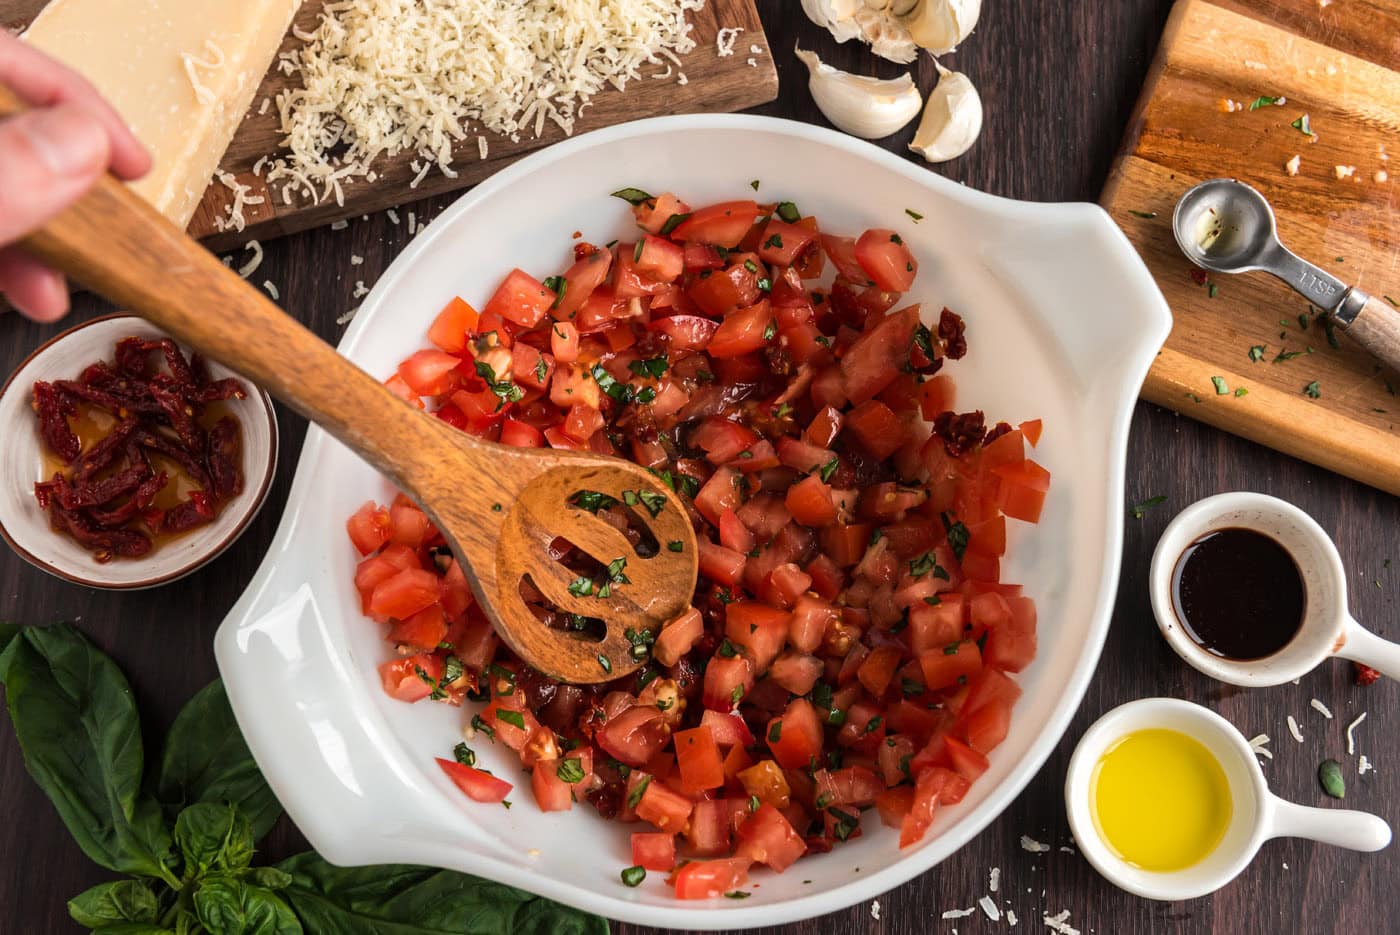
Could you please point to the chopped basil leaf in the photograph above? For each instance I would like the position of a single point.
(652, 367)
(570, 770)
(751, 266)
(896, 239)
(775, 732)
(633, 876)
(727, 649)
(910, 688)
(1139, 508)
(637, 251)
(653, 501)
(479, 725)
(770, 330)
(505, 389)
(507, 716)
(821, 695)
(622, 392)
(629, 497)
(1264, 100)
(775, 241)
(788, 212)
(1256, 353)
(541, 370)
(1221, 389)
(1142, 214)
(914, 214)
(635, 796)
(581, 586)
(829, 468)
(754, 803)
(765, 284)
(592, 501)
(922, 565)
(615, 568)
(1241, 391)
(675, 545)
(736, 694)
(1303, 125)
(672, 222)
(737, 894)
(957, 536)
(603, 660)
(754, 185)
(1312, 390)
(633, 196)
(933, 601)
(464, 754)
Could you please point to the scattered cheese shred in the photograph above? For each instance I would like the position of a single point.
(1344, 172)
(1031, 844)
(1259, 744)
(393, 217)
(959, 913)
(1293, 729)
(1060, 923)
(345, 320)
(361, 290)
(356, 259)
(994, 879)
(1320, 708)
(1351, 739)
(247, 269)
(1292, 165)
(990, 908)
(875, 909)
(383, 77)
(1364, 766)
(1011, 916)
(271, 289)
(242, 197)
(725, 39)
(339, 225)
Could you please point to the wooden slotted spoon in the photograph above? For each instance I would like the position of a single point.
(499, 507)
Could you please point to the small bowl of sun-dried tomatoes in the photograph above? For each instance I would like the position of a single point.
(128, 461)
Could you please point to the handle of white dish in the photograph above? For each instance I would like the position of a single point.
(1365, 647)
(1357, 831)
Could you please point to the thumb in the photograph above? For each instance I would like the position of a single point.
(48, 158)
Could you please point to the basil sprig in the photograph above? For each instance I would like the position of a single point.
(186, 838)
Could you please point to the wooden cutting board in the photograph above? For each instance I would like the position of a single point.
(713, 84)
(1335, 63)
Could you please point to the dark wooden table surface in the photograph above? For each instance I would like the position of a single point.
(1059, 78)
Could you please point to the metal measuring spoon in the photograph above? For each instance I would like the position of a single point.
(1226, 226)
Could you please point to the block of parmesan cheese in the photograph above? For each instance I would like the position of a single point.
(181, 72)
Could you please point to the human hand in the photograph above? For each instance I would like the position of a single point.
(49, 156)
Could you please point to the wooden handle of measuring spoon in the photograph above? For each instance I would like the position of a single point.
(1377, 326)
(118, 246)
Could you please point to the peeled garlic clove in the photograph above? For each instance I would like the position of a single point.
(869, 108)
(837, 17)
(940, 25)
(952, 118)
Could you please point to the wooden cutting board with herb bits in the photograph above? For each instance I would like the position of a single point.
(713, 84)
(1247, 354)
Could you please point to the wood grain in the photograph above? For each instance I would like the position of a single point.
(1180, 134)
(713, 84)
(501, 526)
(1053, 124)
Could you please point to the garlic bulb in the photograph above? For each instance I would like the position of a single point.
(869, 108)
(952, 118)
(939, 25)
(874, 22)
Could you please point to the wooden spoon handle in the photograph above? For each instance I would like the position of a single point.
(120, 247)
(1377, 326)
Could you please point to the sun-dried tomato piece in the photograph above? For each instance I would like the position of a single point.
(1365, 675)
(137, 503)
(950, 334)
(162, 445)
(101, 455)
(181, 417)
(227, 479)
(961, 432)
(196, 511)
(104, 491)
(105, 544)
(54, 408)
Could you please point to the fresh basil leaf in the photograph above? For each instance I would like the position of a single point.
(117, 901)
(269, 878)
(78, 729)
(134, 928)
(8, 631)
(226, 906)
(420, 901)
(206, 759)
(213, 838)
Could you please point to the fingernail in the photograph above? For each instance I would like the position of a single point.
(67, 141)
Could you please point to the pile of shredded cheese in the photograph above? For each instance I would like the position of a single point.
(383, 77)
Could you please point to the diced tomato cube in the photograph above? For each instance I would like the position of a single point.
(654, 850)
(795, 736)
(953, 665)
(697, 756)
(759, 629)
(1021, 493)
(703, 879)
(403, 595)
(477, 784)
(744, 331)
(520, 298)
(450, 330)
(368, 527)
(411, 678)
(768, 838)
(719, 225)
(809, 501)
(429, 372)
(665, 809)
(727, 680)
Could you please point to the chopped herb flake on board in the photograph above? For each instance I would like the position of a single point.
(1138, 509)
(1221, 389)
(1142, 214)
(1265, 100)
(1312, 390)
(1256, 352)
(1304, 126)
(633, 196)
(1241, 391)
(914, 214)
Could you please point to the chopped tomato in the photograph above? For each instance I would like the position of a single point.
(477, 784)
(850, 635)
(702, 879)
(454, 324)
(520, 298)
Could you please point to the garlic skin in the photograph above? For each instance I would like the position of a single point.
(952, 118)
(869, 108)
(941, 25)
